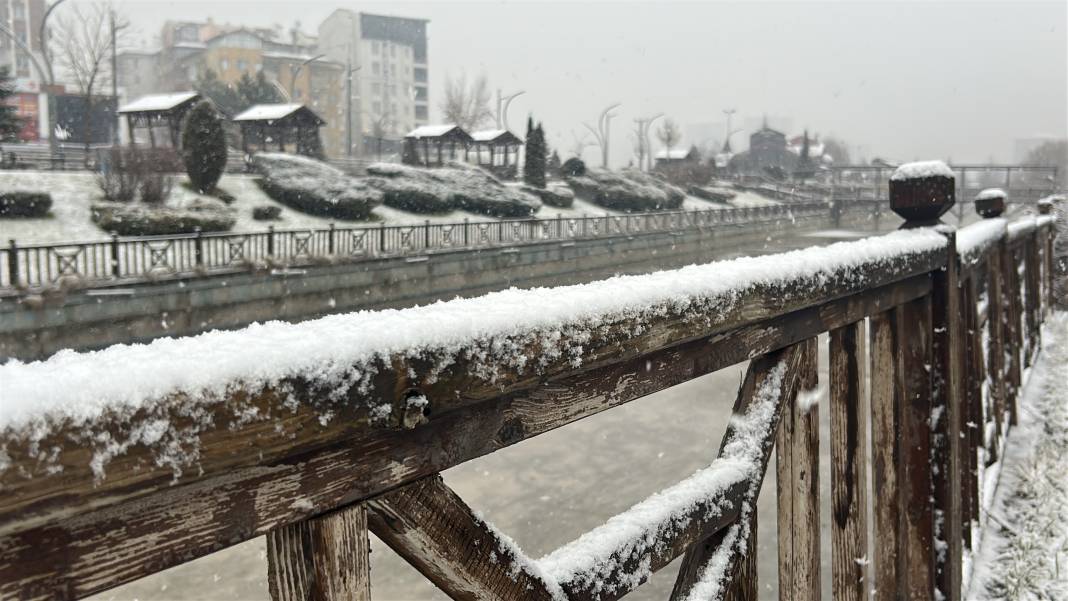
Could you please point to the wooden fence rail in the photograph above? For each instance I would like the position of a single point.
(945, 323)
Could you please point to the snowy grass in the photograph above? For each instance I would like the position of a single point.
(1024, 552)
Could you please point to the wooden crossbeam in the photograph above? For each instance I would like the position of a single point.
(799, 360)
(431, 527)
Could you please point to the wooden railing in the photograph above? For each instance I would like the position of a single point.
(88, 504)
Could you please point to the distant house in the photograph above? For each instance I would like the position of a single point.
(434, 145)
(768, 154)
(666, 158)
(264, 126)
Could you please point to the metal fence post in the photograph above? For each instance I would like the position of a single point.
(270, 241)
(382, 237)
(330, 242)
(426, 234)
(114, 255)
(466, 223)
(198, 247)
(13, 264)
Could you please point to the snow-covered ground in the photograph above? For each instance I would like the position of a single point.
(74, 192)
(1024, 545)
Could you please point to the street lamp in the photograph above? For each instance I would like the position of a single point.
(293, 80)
(42, 35)
(348, 106)
(646, 155)
(502, 115)
(601, 133)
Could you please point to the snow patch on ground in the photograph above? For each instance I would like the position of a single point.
(1024, 546)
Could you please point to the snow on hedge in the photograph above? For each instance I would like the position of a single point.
(627, 190)
(921, 169)
(313, 187)
(590, 560)
(456, 186)
(338, 355)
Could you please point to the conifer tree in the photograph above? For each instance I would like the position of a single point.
(204, 147)
(10, 123)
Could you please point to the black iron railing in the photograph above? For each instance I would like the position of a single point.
(149, 258)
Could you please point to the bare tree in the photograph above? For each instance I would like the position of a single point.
(381, 124)
(84, 37)
(579, 144)
(467, 105)
(669, 134)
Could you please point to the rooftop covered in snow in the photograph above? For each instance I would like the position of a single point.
(277, 112)
(159, 103)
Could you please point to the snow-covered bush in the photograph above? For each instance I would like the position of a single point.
(139, 220)
(129, 174)
(457, 186)
(314, 187)
(573, 167)
(627, 190)
(554, 195)
(266, 212)
(25, 203)
(712, 193)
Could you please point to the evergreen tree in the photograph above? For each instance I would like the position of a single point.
(225, 97)
(204, 147)
(554, 164)
(10, 123)
(257, 90)
(805, 167)
(534, 164)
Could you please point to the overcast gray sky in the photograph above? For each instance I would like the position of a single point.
(903, 80)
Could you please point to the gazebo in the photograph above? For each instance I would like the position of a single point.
(501, 145)
(265, 124)
(149, 112)
(418, 142)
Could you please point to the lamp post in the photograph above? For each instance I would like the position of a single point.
(293, 80)
(643, 141)
(348, 106)
(502, 107)
(601, 133)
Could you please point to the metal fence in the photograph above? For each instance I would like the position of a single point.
(138, 259)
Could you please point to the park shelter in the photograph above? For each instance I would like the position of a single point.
(496, 149)
(267, 125)
(155, 110)
(426, 145)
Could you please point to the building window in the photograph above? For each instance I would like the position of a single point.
(376, 68)
(421, 113)
(375, 47)
(393, 70)
(420, 93)
(393, 50)
(392, 90)
(242, 65)
(376, 89)
(224, 64)
(376, 107)
(419, 73)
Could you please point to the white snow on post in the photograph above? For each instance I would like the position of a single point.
(990, 194)
(922, 169)
(973, 240)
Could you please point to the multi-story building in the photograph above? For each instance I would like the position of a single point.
(388, 95)
(22, 18)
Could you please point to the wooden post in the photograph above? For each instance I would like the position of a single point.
(887, 395)
(996, 326)
(324, 558)
(1011, 318)
(971, 416)
(945, 418)
(115, 272)
(1034, 296)
(13, 263)
(914, 346)
(797, 482)
(849, 459)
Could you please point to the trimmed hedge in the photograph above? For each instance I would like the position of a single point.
(266, 213)
(315, 188)
(25, 203)
(554, 195)
(140, 220)
(629, 190)
(712, 193)
(457, 186)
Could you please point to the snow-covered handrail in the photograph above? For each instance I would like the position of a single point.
(248, 432)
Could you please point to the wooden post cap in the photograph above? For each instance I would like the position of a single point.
(1045, 205)
(922, 192)
(990, 202)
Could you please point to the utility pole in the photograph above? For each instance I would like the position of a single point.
(729, 113)
(114, 81)
(42, 36)
(645, 151)
(348, 102)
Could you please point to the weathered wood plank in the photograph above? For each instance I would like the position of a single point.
(263, 429)
(744, 585)
(947, 368)
(1013, 336)
(798, 493)
(973, 377)
(180, 523)
(996, 349)
(914, 340)
(431, 527)
(887, 400)
(849, 460)
(324, 558)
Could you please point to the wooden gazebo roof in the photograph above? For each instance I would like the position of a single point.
(497, 137)
(443, 133)
(282, 115)
(160, 105)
